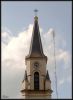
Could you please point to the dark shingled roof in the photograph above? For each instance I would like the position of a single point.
(36, 45)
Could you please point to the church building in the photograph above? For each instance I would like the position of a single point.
(36, 83)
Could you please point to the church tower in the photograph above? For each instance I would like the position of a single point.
(36, 83)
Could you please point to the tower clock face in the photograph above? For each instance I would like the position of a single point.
(36, 64)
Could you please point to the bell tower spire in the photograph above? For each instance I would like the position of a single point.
(36, 49)
(36, 84)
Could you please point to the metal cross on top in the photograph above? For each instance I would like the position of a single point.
(35, 12)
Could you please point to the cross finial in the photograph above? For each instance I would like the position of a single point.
(35, 12)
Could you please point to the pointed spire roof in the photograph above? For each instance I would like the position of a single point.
(25, 75)
(47, 76)
(36, 49)
(36, 45)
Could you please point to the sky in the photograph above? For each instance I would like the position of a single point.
(17, 18)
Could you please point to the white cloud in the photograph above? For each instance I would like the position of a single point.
(64, 80)
(63, 55)
(6, 37)
(14, 50)
(13, 58)
(61, 82)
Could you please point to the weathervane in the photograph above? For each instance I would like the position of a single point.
(35, 12)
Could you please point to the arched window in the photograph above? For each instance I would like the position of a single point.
(36, 81)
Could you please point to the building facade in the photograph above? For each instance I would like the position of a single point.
(36, 83)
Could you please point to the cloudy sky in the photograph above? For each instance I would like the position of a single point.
(17, 25)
